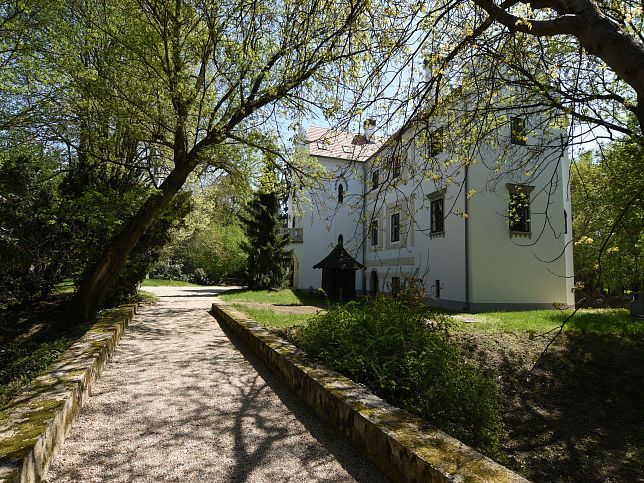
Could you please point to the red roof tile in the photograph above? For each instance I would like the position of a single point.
(340, 144)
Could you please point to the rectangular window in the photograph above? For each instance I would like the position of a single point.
(374, 233)
(518, 133)
(395, 286)
(375, 179)
(519, 211)
(395, 227)
(437, 141)
(438, 289)
(565, 222)
(395, 166)
(436, 214)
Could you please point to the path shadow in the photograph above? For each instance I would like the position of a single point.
(334, 442)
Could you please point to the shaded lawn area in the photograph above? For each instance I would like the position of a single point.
(31, 338)
(35, 335)
(578, 415)
(576, 418)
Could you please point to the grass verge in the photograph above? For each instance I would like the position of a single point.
(596, 321)
(270, 318)
(277, 297)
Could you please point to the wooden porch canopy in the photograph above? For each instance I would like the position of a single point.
(338, 274)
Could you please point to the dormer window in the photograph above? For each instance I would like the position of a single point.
(340, 194)
(347, 149)
(321, 146)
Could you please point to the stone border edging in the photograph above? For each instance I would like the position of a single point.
(403, 446)
(34, 425)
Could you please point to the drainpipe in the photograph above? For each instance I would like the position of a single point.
(467, 243)
(364, 226)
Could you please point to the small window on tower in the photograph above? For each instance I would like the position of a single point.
(518, 134)
(395, 166)
(375, 179)
(340, 193)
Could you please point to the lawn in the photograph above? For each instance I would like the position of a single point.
(277, 297)
(280, 309)
(575, 416)
(536, 322)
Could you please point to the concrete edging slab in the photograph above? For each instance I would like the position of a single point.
(403, 446)
(34, 425)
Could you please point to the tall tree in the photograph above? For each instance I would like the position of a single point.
(185, 78)
(268, 259)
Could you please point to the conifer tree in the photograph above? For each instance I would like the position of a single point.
(269, 261)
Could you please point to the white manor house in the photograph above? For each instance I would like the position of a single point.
(476, 239)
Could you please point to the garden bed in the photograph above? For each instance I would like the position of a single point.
(577, 415)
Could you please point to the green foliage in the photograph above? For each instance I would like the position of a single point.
(216, 252)
(268, 260)
(31, 255)
(147, 251)
(400, 351)
(608, 223)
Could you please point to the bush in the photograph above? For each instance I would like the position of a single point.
(390, 345)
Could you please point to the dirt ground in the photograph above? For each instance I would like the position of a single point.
(578, 415)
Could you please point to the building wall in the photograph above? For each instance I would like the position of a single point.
(323, 220)
(506, 271)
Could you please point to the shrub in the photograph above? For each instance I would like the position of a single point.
(399, 350)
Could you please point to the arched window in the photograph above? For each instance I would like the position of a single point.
(374, 283)
(340, 193)
(340, 239)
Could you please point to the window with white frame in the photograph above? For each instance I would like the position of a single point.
(395, 166)
(437, 216)
(374, 233)
(375, 179)
(519, 208)
(437, 141)
(395, 227)
(518, 133)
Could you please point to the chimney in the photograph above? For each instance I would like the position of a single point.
(369, 128)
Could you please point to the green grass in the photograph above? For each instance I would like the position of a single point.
(157, 282)
(282, 297)
(598, 321)
(144, 297)
(270, 318)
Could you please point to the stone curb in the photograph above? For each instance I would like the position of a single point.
(34, 425)
(403, 446)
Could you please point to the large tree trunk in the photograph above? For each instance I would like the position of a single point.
(93, 288)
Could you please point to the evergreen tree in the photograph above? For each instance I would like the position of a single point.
(269, 261)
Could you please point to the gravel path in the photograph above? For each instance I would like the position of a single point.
(181, 401)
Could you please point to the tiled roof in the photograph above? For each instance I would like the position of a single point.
(339, 258)
(340, 144)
